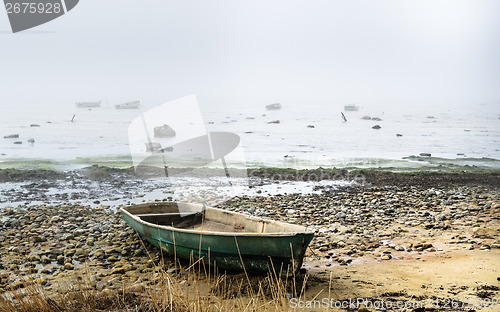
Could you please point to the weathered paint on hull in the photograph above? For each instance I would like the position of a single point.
(228, 252)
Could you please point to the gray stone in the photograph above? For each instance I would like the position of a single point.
(340, 215)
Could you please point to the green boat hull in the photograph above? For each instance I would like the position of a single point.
(252, 253)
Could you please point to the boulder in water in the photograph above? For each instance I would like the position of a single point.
(164, 131)
(34, 125)
(11, 136)
(153, 147)
(18, 142)
(366, 118)
(425, 154)
(274, 122)
(399, 135)
(376, 127)
(310, 126)
(377, 119)
(31, 141)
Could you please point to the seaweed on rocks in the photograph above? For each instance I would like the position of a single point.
(16, 175)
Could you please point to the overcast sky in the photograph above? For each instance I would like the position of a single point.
(258, 52)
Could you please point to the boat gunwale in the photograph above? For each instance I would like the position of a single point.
(216, 233)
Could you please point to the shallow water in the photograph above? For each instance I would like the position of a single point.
(126, 191)
(100, 135)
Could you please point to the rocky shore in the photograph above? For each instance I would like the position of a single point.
(47, 245)
(387, 222)
(51, 245)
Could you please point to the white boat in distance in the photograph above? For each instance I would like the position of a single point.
(274, 106)
(88, 104)
(128, 105)
(351, 108)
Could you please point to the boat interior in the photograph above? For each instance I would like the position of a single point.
(199, 218)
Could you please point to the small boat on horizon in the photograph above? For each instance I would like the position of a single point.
(88, 104)
(351, 108)
(274, 106)
(225, 239)
(128, 105)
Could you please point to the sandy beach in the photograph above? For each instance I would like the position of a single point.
(409, 239)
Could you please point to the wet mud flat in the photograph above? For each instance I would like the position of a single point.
(92, 186)
(110, 187)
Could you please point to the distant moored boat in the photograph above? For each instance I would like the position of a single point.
(128, 105)
(88, 104)
(274, 106)
(351, 107)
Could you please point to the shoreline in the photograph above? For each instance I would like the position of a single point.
(96, 186)
(98, 172)
(401, 164)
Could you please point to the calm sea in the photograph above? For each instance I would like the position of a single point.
(307, 135)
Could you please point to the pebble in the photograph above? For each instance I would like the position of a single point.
(340, 215)
(118, 271)
(137, 288)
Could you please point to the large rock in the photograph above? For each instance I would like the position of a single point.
(153, 147)
(164, 131)
(11, 136)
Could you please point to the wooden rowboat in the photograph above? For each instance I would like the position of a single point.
(228, 240)
(128, 105)
(274, 106)
(88, 104)
(351, 108)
